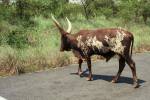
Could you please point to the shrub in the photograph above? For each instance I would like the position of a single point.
(17, 39)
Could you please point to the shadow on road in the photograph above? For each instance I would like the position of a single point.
(108, 78)
(122, 79)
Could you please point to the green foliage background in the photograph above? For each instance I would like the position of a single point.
(29, 41)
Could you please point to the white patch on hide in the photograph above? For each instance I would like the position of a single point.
(82, 45)
(91, 42)
(79, 39)
(115, 43)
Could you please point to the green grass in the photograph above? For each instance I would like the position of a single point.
(142, 36)
(44, 38)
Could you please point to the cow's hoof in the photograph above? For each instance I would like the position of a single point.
(114, 80)
(89, 79)
(136, 85)
(80, 74)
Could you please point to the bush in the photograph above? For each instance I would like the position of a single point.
(6, 12)
(107, 12)
(29, 41)
(17, 39)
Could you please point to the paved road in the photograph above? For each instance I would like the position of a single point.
(63, 84)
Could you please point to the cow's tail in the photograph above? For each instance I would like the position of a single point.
(131, 46)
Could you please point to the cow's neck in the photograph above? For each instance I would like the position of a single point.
(71, 40)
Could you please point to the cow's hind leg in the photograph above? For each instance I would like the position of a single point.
(90, 69)
(121, 67)
(131, 64)
(79, 68)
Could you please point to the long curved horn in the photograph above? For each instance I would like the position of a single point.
(69, 25)
(56, 22)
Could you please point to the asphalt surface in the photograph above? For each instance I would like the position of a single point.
(63, 84)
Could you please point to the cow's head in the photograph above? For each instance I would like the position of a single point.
(65, 45)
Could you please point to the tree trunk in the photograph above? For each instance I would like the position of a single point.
(85, 9)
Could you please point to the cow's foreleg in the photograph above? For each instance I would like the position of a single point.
(79, 68)
(121, 67)
(131, 64)
(90, 70)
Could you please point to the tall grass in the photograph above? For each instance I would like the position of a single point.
(44, 39)
(142, 37)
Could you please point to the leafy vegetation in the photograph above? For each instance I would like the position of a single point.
(29, 40)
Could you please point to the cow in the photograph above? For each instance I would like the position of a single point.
(105, 42)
